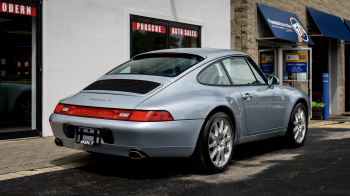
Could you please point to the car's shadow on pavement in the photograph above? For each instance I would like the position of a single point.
(157, 168)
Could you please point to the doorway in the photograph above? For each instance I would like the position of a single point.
(347, 78)
(320, 62)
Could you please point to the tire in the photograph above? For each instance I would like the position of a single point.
(208, 141)
(297, 127)
(23, 110)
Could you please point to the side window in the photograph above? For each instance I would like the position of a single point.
(258, 75)
(214, 75)
(239, 71)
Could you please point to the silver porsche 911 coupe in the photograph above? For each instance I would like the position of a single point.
(196, 103)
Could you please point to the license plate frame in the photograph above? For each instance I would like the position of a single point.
(95, 133)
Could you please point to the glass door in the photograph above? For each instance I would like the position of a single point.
(268, 62)
(296, 64)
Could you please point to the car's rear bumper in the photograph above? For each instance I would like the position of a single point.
(156, 139)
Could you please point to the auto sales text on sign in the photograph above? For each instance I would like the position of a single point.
(148, 27)
(13, 8)
(183, 32)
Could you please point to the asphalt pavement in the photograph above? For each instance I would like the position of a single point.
(320, 167)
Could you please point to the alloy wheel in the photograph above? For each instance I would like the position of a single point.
(299, 125)
(220, 142)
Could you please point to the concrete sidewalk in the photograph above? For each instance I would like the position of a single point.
(36, 153)
(333, 119)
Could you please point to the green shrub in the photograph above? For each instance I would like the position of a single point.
(316, 104)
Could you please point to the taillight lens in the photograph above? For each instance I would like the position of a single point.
(58, 108)
(115, 114)
(93, 112)
(150, 116)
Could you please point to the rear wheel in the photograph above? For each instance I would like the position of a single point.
(215, 144)
(297, 128)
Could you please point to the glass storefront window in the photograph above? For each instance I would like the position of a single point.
(267, 62)
(296, 69)
(148, 34)
(183, 38)
(147, 37)
(17, 67)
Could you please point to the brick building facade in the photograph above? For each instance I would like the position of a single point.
(244, 35)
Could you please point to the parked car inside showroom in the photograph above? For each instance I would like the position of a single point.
(16, 100)
(194, 102)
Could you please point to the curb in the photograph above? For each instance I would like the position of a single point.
(324, 123)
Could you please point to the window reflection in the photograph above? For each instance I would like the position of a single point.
(144, 41)
(179, 41)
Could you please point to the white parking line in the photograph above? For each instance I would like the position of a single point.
(46, 170)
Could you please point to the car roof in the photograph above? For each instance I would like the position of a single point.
(204, 52)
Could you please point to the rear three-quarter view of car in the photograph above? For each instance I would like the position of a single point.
(196, 103)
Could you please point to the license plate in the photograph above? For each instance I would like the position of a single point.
(88, 136)
(87, 142)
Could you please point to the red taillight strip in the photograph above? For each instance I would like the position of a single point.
(150, 116)
(93, 112)
(116, 114)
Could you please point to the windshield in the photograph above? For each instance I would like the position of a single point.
(169, 65)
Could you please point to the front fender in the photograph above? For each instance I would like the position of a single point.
(293, 96)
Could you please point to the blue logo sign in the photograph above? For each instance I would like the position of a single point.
(296, 67)
(267, 68)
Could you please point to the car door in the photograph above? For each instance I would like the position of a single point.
(264, 106)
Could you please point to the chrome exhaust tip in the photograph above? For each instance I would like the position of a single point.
(136, 154)
(58, 142)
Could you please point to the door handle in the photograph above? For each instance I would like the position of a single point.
(247, 96)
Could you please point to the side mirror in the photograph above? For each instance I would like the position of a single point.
(272, 80)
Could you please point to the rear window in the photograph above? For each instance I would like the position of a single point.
(169, 65)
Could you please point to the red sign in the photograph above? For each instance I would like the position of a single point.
(148, 27)
(13, 8)
(183, 32)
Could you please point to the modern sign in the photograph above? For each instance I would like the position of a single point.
(296, 63)
(284, 25)
(148, 27)
(183, 32)
(14, 8)
(267, 63)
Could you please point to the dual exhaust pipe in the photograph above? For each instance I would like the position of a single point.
(58, 142)
(133, 153)
(137, 154)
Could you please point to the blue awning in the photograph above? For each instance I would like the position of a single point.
(347, 23)
(329, 25)
(284, 25)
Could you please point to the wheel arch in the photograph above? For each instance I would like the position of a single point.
(220, 108)
(224, 109)
(302, 101)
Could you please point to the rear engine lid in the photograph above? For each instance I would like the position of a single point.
(135, 85)
(123, 85)
(118, 91)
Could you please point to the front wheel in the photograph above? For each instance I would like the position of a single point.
(297, 127)
(215, 144)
